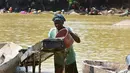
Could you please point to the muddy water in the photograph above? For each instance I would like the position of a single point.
(98, 42)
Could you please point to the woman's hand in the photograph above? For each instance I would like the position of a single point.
(75, 36)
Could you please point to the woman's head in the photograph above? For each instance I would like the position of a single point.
(59, 17)
(58, 20)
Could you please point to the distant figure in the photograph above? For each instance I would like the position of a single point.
(126, 13)
(2, 10)
(16, 10)
(111, 11)
(93, 11)
(63, 11)
(39, 11)
(86, 10)
(74, 5)
(81, 9)
(10, 9)
(29, 10)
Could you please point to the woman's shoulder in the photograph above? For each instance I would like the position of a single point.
(69, 28)
(52, 29)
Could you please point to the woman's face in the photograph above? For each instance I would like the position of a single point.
(58, 24)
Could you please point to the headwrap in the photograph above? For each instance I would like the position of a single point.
(58, 17)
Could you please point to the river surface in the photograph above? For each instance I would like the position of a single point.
(98, 42)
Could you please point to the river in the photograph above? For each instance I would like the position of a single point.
(98, 42)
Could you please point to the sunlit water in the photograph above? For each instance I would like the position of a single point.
(98, 42)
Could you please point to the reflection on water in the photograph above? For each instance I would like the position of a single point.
(98, 42)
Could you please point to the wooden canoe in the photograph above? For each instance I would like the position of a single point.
(96, 66)
(9, 57)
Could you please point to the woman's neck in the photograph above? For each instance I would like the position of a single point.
(61, 28)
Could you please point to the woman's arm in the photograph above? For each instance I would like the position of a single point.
(75, 36)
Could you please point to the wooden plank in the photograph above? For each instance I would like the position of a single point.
(33, 49)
